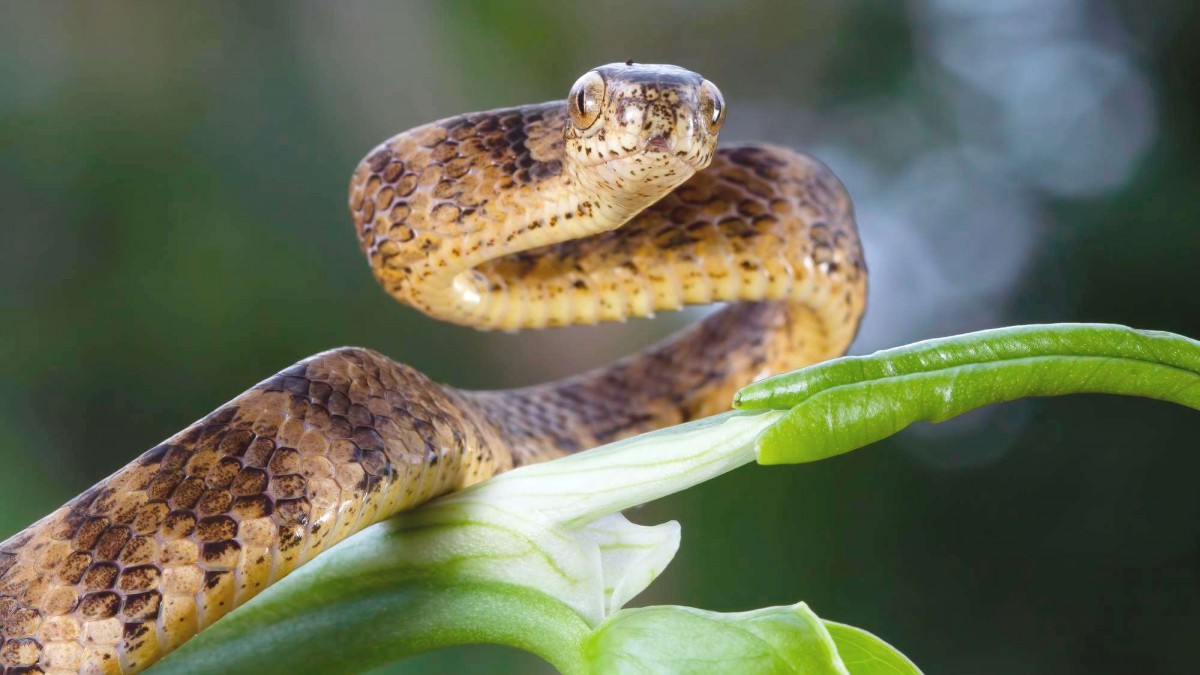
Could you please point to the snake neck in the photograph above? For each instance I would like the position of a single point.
(460, 218)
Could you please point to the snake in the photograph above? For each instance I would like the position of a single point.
(611, 204)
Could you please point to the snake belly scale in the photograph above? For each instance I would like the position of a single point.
(612, 204)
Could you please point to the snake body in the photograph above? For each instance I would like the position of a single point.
(612, 204)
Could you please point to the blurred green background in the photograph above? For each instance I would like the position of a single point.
(172, 188)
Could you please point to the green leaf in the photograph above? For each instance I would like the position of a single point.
(865, 654)
(686, 640)
(357, 607)
(842, 405)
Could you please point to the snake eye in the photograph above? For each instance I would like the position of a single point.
(712, 106)
(583, 103)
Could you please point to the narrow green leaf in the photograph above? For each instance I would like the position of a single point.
(997, 345)
(847, 403)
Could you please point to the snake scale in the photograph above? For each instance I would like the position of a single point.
(612, 204)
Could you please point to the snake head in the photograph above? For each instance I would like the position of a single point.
(641, 127)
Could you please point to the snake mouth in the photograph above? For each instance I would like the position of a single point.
(659, 149)
(658, 143)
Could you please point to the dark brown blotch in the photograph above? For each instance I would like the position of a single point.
(249, 481)
(139, 550)
(216, 528)
(376, 462)
(223, 473)
(213, 502)
(20, 650)
(21, 622)
(251, 507)
(235, 442)
(393, 171)
(187, 493)
(99, 576)
(134, 632)
(176, 458)
(103, 605)
(285, 460)
(150, 517)
(379, 160)
(293, 511)
(290, 486)
(138, 579)
(366, 438)
(74, 566)
(178, 524)
(142, 606)
(222, 554)
(111, 542)
(214, 579)
(90, 533)
(259, 452)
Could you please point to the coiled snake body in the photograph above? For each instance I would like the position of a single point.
(615, 203)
